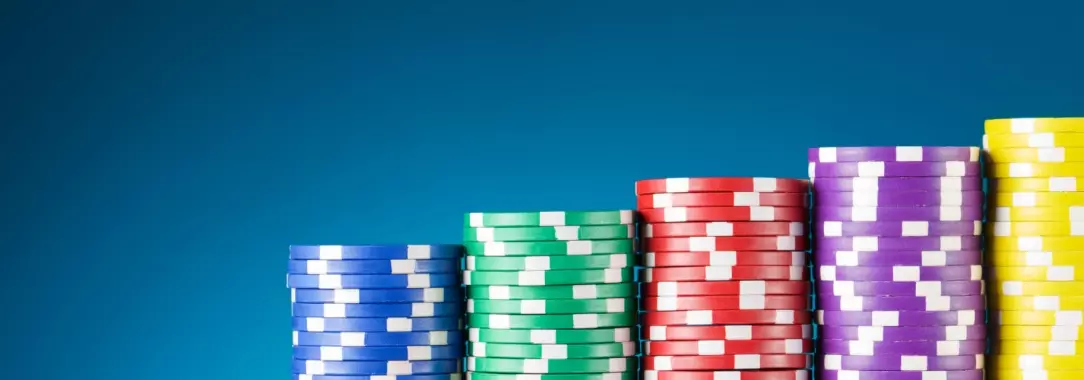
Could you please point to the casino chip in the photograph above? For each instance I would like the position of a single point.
(1035, 235)
(897, 253)
(377, 311)
(551, 295)
(725, 292)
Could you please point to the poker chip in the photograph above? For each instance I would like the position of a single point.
(900, 362)
(1037, 362)
(1051, 185)
(892, 184)
(900, 289)
(1033, 140)
(1037, 155)
(900, 229)
(1034, 125)
(922, 303)
(976, 374)
(1029, 347)
(551, 295)
(913, 347)
(905, 333)
(894, 154)
(800, 374)
(1037, 303)
(877, 169)
(1037, 170)
(897, 214)
(1038, 288)
(376, 311)
(1007, 374)
(887, 318)
(728, 347)
(725, 258)
(1040, 333)
(1036, 229)
(900, 273)
(725, 289)
(1037, 318)
(888, 198)
(882, 243)
(898, 258)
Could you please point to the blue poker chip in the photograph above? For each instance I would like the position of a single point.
(371, 281)
(377, 296)
(375, 252)
(393, 339)
(405, 266)
(395, 324)
(378, 310)
(421, 367)
(337, 353)
(442, 376)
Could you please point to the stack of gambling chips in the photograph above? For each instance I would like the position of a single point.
(551, 295)
(897, 253)
(1036, 247)
(726, 290)
(376, 311)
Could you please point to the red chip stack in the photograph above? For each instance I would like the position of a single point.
(726, 291)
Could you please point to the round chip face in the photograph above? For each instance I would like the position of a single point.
(733, 332)
(550, 366)
(904, 333)
(707, 229)
(724, 214)
(398, 353)
(739, 302)
(900, 362)
(725, 258)
(878, 169)
(721, 199)
(548, 218)
(721, 184)
(374, 368)
(904, 198)
(899, 318)
(1034, 125)
(790, 374)
(729, 347)
(726, 362)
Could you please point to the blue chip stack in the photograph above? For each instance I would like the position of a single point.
(368, 312)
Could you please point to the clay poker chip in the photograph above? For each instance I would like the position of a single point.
(728, 347)
(721, 199)
(904, 333)
(720, 288)
(740, 302)
(712, 243)
(725, 258)
(898, 258)
(923, 303)
(721, 184)
(877, 169)
(726, 362)
(901, 289)
(725, 273)
(894, 154)
(703, 229)
(728, 332)
(899, 198)
(724, 214)
(900, 229)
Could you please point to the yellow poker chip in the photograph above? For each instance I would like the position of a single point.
(1029, 347)
(1036, 362)
(1035, 243)
(1038, 318)
(1034, 125)
(1048, 333)
(1051, 273)
(1033, 140)
(1053, 184)
(1038, 199)
(1038, 214)
(1035, 258)
(1010, 374)
(1035, 228)
(1035, 170)
(1037, 288)
(1035, 303)
(1036, 155)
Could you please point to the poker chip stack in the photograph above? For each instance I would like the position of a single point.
(551, 295)
(370, 311)
(1036, 247)
(725, 291)
(897, 253)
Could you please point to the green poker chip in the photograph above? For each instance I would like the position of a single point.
(556, 292)
(627, 375)
(548, 277)
(557, 233)
(551, 365)
(551, 336)
(616, 260)
(552, 321)
(548, 218)
(552, 351)
(534, 307)
(550, 248)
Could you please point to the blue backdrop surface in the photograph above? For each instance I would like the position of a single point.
(160, 156)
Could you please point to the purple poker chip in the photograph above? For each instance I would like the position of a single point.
(900, 289)
(878, 169)
(899, 229)
(922, 303)
(900, 318)
(904, 334)
(974, 374)
(898, 198)
(894, 258)
(892, 243)
(895, 154)
(897, 214)
(898, 184)
(921, 348)
(899, 273)
(900, 362)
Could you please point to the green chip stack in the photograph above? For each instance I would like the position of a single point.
(551, 294)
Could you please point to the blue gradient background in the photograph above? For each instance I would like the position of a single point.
(160, 156)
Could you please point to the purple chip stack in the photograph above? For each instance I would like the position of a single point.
(897, 257)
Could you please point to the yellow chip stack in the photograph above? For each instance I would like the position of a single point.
(1035, 232)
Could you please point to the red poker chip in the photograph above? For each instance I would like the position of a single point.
(741, 302)
(716, 184)
(725, 288)
(729, 347)
(729, 332)
(725, 273)
(663, 200)
(725, 317)
(712, 243)
(722, 362)
(796, 374)
(693, 229)
(725, 258)
(725, 214)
